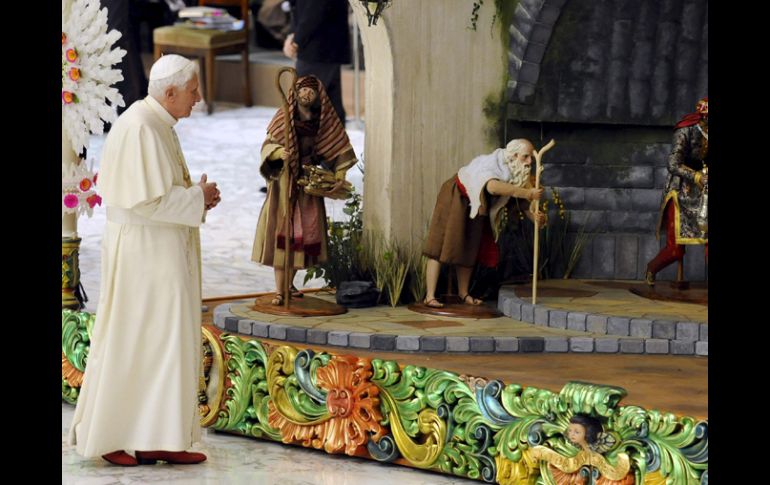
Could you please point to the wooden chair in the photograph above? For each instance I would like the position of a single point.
(206, 44)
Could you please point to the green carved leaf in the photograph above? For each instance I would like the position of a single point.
(671, 434)
(246, 399)
(69, 393)
(588, 398)
(405, 387)
(75, 333)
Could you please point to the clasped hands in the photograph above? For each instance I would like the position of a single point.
(211, 195)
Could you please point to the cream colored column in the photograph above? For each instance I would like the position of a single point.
(427, 78)
(69, 222)
(70, 242)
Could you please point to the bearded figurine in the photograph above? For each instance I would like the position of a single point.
(317, 144)
(461, 229)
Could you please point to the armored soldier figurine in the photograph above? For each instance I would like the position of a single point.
(684, 210)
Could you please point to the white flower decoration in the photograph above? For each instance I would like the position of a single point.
(87, 73)
(78, 189)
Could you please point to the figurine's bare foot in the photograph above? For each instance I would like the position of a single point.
(277, 300)
(433, 303)
(469, 300)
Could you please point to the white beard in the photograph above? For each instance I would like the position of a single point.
(519, 173)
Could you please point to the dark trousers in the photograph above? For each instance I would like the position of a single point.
(329, 74)
(125, 17)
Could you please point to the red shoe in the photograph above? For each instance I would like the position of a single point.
(120, 458)
(175, 457)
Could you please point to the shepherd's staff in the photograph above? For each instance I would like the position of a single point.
(536, 212)
(287, 266)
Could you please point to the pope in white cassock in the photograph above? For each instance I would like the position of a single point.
(139, 391)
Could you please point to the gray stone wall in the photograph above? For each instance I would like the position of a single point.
(616, 173)
(608, 79)
(607, 61)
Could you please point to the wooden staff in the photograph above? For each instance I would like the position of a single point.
(287, 266)
(538, 169)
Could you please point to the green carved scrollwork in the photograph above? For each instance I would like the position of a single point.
(415, 399)
(675, 448)
(529, 410)
(76, 330)
(481, 422)
(467, 451)
(287, 393)
(405, 407)
(401, 388)
(69, 393)
(587, 398)
(305, 366)
(245, 408)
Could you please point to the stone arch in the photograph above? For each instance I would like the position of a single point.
(428, 78)
(531, 29)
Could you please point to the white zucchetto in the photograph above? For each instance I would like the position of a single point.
(168, 65)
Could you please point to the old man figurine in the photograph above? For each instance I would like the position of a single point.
(140, 387)
(461, 231)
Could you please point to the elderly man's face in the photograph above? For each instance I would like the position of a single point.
(183, 98)
(522, 156)
(519, 161)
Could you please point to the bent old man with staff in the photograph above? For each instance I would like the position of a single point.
(461, 230)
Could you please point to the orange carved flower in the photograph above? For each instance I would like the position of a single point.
(63, 38)
(72, 55)
(73, 376)
(74, 73)
(354, 407)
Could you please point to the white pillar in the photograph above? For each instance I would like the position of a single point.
(69, 222)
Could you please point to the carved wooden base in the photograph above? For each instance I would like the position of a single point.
(457, 310)
(298, 307)
(363, 406)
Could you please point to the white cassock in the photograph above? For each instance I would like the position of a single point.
(140, 386)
